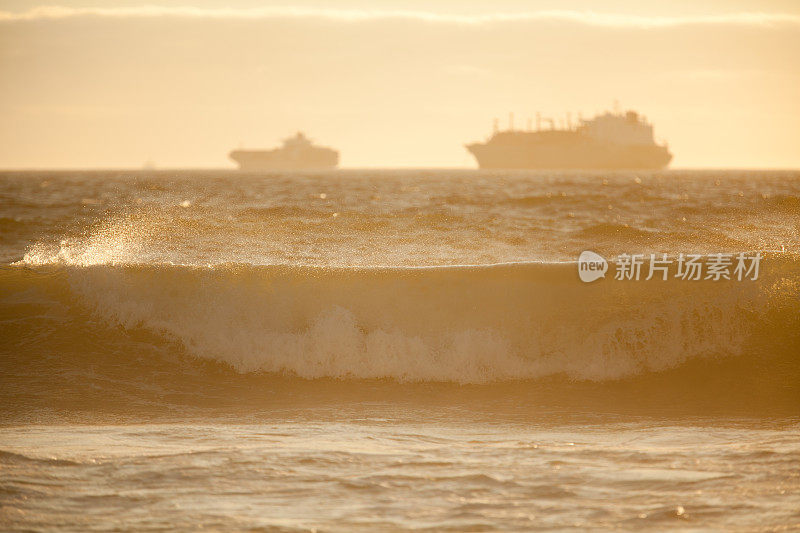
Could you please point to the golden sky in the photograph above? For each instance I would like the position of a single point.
(115, 84)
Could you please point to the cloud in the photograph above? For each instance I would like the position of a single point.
(354, 15)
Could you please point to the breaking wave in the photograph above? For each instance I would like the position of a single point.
(461, 324)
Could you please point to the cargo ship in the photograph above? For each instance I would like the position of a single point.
(297, 153)
(612, 140)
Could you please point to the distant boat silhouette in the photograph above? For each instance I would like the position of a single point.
(607, 141)
(297, 153)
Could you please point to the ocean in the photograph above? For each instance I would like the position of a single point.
(395, 350)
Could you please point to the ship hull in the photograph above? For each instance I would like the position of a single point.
(255, 160)
(578, 154)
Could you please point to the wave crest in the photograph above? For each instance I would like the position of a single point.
(456, 324)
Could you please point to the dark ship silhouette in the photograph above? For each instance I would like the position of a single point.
(608, 141)
(297, 153)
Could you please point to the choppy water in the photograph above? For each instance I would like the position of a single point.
(395, 350)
